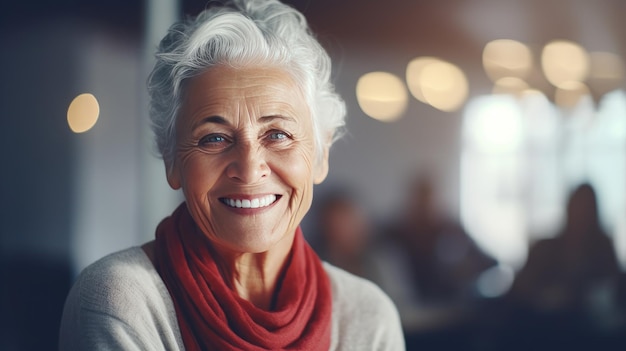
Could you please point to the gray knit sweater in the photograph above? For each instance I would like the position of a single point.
(121, 303)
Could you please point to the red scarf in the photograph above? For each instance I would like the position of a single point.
(211, 315)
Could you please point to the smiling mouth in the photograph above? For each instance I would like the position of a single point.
(250, 203)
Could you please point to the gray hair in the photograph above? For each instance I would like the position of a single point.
(240, 33)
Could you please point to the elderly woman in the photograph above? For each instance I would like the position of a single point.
(244, 116)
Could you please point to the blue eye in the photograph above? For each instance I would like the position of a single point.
(278, 135)
(212, 140)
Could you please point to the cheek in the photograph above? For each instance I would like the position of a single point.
(297, 169)
(294, 168)
(300, 179)
(197, 174)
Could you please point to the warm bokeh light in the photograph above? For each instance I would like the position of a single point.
(414, 73)
(444, 86)
(437, 83)
(382, 96)
(510, 86)
(569, 94)
(564, 61)
(506, 58)
(83, 113)
(530, 92)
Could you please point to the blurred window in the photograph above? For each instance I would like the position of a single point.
(521, 157)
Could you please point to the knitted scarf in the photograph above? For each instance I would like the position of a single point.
(211, 315)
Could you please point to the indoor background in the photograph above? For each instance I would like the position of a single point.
(504, 106)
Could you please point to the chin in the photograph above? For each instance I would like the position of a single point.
(253, 245)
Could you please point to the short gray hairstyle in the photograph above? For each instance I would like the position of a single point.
(237, 34)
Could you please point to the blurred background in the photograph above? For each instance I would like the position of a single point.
(482, 182)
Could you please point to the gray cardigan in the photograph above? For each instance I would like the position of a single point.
(121, 303)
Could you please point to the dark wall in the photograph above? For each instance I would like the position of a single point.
(38, 70)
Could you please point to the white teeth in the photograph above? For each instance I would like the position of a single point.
(254, 203)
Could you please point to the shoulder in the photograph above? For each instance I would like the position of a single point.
(130, 261)
(119, 300)
(115, 280)
(364, 317)
(353, 292)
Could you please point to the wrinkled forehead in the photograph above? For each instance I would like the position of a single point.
(259, 91)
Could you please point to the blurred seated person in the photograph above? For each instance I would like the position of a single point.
(445, 262)
(345, 233)
(565, 273)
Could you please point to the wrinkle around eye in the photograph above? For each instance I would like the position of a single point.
(192, 147)
(215, 142)
(272, 135)
(278, 139)
(213, 139)
(275, 135)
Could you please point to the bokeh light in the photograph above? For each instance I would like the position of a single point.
(510, 86)
(506, 58)
(569, 94)
(496, 125)
(564, 61)
(495, 281)
(438, 83)
(382, 96)
(414, 73)
(83, 113)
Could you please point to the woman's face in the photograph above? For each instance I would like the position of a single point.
(246, 157)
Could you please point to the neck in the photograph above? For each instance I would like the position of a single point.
(255, 276)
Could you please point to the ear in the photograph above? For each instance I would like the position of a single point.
(321, 169)
(172, 174)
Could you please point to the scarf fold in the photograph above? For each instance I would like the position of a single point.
(211, 315)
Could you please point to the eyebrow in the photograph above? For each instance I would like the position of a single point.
(222, 121)
(267, 119)
(212, 119)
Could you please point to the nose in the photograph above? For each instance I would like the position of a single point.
(248, 165)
